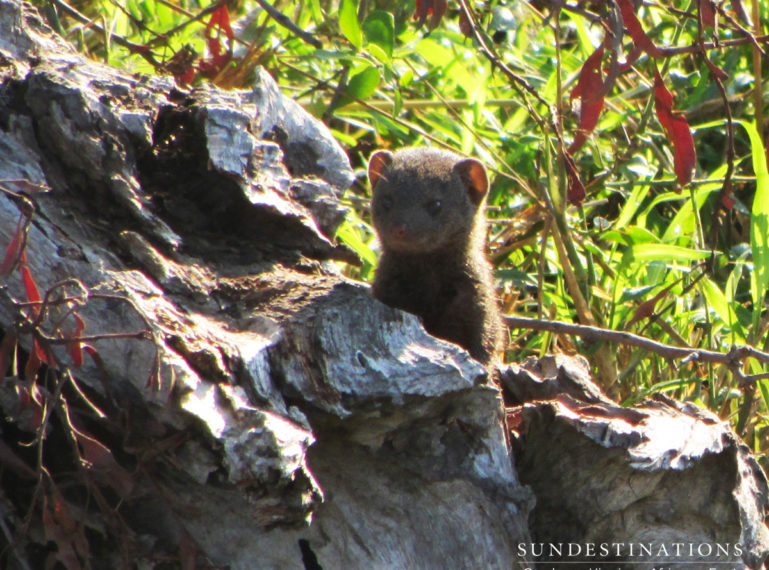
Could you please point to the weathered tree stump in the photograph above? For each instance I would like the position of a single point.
(664, 484)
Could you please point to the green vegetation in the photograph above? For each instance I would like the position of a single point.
(677, 255)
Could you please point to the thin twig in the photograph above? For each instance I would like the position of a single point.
(134, 48)
(717, 75)
(732, 359)
(284, 21)
(673, 181)
(138, 335)
(758, 96)
(161, 38)
(700, 47)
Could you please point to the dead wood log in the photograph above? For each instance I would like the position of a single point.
(664, 484)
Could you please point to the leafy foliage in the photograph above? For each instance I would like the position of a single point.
(626, 139)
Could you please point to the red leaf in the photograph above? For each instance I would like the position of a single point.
(678, 131)
(464, 25)
(727, 200)
(27, 186)
(46, 357)
(34, 361)
(707, 13)
(94, 354)
(62, 528)
(589, 89)
(513, 419)
(426, 7)
(215, 47)
(14, 250)
(94, 452)
(31, 403)
(38, 350)
(155, 382)
(75, 347)
(685, 156)
(218, 24)
(37, 357)
(646, 309)
(221, 18)
(421, 10)
(221, 60)
(576, 190)
(739, 9)
(439, 9)
(637, 33)
(33, 294)
(187, 75)
(80, 327)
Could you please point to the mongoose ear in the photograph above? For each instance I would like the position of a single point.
(473, 174)
(380, 160)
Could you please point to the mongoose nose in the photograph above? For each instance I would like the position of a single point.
(399, 231)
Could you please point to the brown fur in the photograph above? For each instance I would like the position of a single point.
(427, 207)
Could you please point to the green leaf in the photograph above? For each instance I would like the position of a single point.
(348, 22)
(406, 78)
(759, 219)
(632, 204)
(763, 385)
(449, 62)
(631, 235)
(363, 83)
(317, 12)
(379, 29)
(133, 8)
(585, 43)
(637, 293)
(664, 252)
(379, 53)
(398, 101)
(759, 223)
(350, 233)
(684, 223)
(164, 16)
(720, 304)
(149, 8)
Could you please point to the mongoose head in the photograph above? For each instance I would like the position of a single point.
(425, 199)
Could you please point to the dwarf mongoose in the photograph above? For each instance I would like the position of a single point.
(428, 211)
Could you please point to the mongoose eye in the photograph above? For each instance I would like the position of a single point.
(433, 207)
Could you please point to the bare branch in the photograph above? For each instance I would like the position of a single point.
(732, 359)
